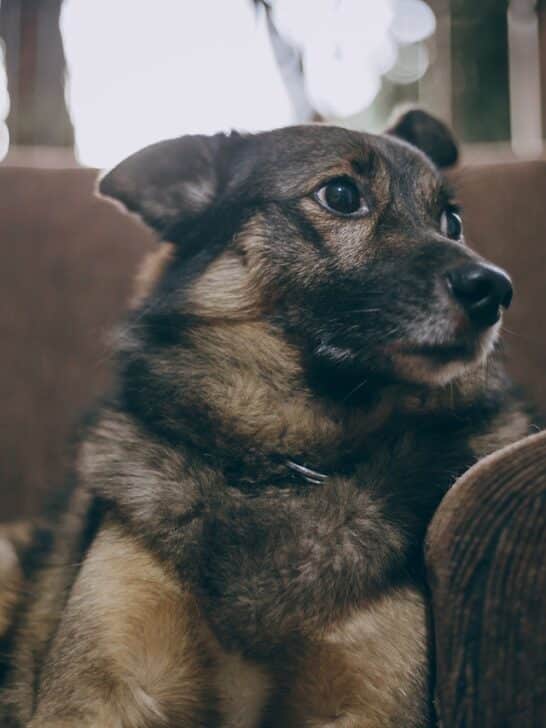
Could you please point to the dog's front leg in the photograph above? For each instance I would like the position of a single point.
(368, 671)
(131, 650)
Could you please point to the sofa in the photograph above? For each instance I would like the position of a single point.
(67, 263)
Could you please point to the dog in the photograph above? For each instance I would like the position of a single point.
(309, 363)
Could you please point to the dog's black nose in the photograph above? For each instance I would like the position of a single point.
(481, 290)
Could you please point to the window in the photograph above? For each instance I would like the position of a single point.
(141, 70)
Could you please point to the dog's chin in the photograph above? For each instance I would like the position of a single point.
(436, 365)
(410, 362)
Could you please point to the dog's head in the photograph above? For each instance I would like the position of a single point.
(350, 242)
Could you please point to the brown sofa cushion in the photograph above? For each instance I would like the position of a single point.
(66, 262)
(504, 210)
(67, 259)
(487, 571)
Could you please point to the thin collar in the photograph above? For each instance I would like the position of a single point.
(311, 476)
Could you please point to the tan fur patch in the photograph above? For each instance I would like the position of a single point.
(133, 651)
(129, 650)
(225, 290)
(12, 537)
(150, 272)
(10, 581)
(506, 428)
(367, 672)
(257, 391)
(243, 690)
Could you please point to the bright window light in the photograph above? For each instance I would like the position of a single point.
(141, 71)
(347, 46)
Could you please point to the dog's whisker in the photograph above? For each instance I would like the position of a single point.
(388, 333)
(354, 390)
(365, 310)
(506, 330)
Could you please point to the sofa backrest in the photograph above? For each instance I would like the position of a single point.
(504, 211)
(67, 262)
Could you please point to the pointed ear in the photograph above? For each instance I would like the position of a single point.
(428, 134)
(169, 182)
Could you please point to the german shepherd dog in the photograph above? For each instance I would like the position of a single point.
(307, 369)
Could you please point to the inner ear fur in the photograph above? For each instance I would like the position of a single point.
(429, 134)
(171, 181)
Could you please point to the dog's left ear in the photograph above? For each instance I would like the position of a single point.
(428, 134)
(172, 182)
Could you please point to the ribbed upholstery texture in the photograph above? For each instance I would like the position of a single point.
(486, 556)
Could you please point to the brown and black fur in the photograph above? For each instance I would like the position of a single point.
(191, 577)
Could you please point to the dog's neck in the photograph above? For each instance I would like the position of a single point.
(241, 395)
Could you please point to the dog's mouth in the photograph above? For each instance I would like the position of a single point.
(439, 363)
(442, 353)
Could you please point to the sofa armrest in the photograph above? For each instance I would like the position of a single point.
(486, 562)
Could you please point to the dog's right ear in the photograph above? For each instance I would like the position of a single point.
(171, 182)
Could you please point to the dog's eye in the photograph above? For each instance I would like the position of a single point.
(451, 224)
(342, 196)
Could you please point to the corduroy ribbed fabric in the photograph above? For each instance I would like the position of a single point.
(486, 560)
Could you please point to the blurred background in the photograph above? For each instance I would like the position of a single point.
(83, 83)
(89, 81)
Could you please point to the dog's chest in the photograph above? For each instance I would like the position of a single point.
(287, 562)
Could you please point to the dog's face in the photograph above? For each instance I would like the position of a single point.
(351, 242)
